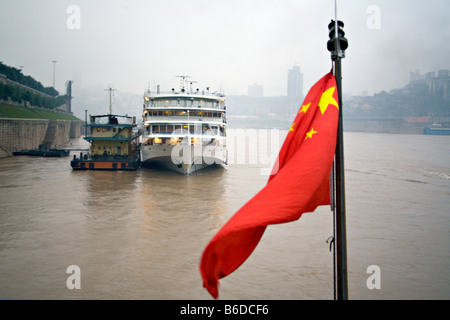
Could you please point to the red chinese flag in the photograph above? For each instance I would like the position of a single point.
(299, 183)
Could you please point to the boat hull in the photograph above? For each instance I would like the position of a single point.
(43, 153)
(437, 131)
(182, 158)
(91, 164)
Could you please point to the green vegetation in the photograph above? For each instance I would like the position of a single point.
(49, 99)
(16, 75)
(22, 95)
(8, 111)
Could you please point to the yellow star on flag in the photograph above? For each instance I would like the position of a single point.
(327, 99)
(292, 127)
(309, 134)
(305, 108)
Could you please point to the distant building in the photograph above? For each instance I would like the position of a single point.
(439, 85)
(294, 90)
(255, 90)
(295, 83)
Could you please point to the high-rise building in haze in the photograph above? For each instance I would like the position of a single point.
(294, 90)
(295, 83)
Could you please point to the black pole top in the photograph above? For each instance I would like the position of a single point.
(337, 46)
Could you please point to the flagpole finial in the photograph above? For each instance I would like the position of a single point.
(337, 43)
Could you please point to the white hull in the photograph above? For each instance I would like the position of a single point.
(183, 159)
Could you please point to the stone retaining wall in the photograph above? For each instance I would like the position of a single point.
(22, 134)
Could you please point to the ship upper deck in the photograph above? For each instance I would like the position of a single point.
(111, 120)
(184, 99)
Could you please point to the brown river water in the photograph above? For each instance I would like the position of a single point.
(140, 235)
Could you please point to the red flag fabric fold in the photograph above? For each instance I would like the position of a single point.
(299, 183)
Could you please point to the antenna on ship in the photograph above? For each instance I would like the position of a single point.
(110, 98)
(182, 81)
(190, 83)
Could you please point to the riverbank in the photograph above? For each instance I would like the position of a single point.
(21, 112)
(24, 128)
(23, 134)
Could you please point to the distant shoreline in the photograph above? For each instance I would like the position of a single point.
(389, 125)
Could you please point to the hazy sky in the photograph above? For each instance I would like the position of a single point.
(226, 44)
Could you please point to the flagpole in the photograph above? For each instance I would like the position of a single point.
(337, 45)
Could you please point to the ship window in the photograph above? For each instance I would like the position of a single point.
(209, 114)
(98, 129)
(114, 129)
(160, 113)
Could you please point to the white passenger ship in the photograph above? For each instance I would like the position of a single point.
(184, 130)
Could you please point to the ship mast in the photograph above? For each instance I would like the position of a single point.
(110, 98)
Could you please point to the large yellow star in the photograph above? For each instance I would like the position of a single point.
(327, 99)
(305, 108)
(309, 134)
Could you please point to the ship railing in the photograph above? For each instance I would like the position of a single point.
(168, 134)
(184, 119)
(96, 136)
(207, 93)
(180, 107)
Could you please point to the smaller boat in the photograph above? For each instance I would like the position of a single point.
(437, 129)
(113, 144)
(42, 152)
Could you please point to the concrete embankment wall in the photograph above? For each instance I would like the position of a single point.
(22, 134)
